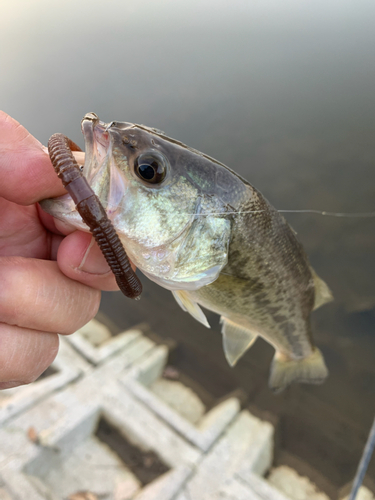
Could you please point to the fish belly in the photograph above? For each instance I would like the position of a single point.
(279, 324)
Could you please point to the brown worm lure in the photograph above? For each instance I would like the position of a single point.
(93, 214)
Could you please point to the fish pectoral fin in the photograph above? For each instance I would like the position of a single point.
(284, 370)
(236, 340)
(322, 293)
(188, 305)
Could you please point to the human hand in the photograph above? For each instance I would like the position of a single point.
(50, 274)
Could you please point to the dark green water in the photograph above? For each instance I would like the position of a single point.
(283, 93)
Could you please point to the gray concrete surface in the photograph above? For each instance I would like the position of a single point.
(51, 450)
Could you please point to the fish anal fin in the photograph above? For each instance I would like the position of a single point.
(284, 370)
(322, 293)
(184, 300)
(236, 340)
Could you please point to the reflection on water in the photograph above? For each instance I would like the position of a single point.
(282, 92)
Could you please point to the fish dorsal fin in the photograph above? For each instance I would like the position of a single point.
(187, 304)
(236, 340)
(322, 293)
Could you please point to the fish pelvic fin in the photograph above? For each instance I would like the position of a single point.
(188, 305)
(236, 340)
(284, 370)
(322, 293)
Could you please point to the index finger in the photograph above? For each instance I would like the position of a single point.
(26, 172)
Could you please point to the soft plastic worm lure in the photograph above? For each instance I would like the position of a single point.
(93, 214)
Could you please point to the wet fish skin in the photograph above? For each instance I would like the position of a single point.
(271, 280)
(213, 239)
(269, 289)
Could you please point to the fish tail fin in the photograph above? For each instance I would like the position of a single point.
(284, 370)
(322, 293)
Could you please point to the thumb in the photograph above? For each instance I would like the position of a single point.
(26, 173)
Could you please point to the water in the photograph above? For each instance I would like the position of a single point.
(282, 92)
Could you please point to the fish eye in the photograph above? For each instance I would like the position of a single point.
(151, 167)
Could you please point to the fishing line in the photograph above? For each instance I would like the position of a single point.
(360, 215)
(331, 214)
(307, 211)
(363, 464)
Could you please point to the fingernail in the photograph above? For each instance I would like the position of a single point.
(93, 261)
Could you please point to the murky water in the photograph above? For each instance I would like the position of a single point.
(283, 93)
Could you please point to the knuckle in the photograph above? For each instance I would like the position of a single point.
(81, 310)
(35, 294)
(25, 355)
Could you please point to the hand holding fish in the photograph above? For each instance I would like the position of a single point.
(51, 274)
(187, 221)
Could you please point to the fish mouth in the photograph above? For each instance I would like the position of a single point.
(100, 168)
(98, 135)
(97, 144)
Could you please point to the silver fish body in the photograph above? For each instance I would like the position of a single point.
(197, 228)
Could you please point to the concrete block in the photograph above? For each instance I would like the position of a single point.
(117, 366)
(67, 431)
(213, 423)
(69, 357)
(4, 492)
(167, 486)
(91, 466)
(363, 494)
(151, 368)
(259, 486)
(183, 496)
(140, 381)
(68, 366)
(145, 429)
(55, 437)
(4, 495)
(42, 488)
(248, 441)
(233, 489)
(95, 332)
(216, 457)
(180, 398)
(89, 342)
(293, 485)
(18, 487)
(59, 456)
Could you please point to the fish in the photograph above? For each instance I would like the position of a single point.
(200, 230)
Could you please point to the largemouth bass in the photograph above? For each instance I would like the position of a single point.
(197, 228)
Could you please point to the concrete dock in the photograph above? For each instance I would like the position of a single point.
(111, 420)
